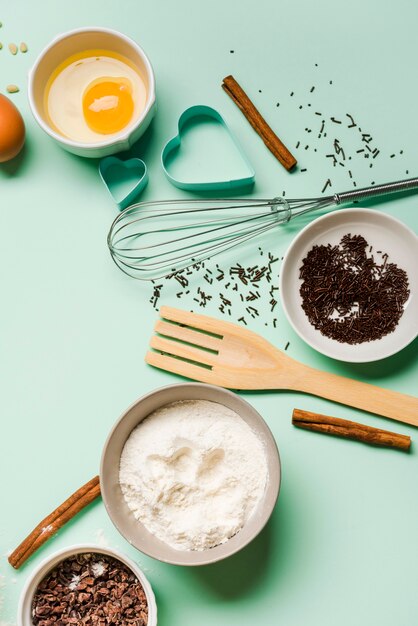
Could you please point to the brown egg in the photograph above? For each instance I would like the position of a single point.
(12, 130)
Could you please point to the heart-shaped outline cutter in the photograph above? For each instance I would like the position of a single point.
(203, 110)
(105, 167)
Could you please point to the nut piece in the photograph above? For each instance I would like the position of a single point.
(12, 88)
(23, 47)
(13, 48)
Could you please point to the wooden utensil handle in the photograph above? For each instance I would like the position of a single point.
(396, 406)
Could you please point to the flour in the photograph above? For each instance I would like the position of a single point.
(193, 473)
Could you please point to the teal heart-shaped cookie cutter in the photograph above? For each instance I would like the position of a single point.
(124, 180)
(194, 115)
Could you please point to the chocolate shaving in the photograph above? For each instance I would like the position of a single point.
(90, 589)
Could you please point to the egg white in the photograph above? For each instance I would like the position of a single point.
(65, 96)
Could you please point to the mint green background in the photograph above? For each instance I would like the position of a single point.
(341, 547)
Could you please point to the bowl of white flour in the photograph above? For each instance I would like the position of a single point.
(190, 474)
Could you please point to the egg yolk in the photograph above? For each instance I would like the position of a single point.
(108, 105)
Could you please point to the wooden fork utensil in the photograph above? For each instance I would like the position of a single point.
(225, 354)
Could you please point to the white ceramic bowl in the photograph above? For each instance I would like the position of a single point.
(75, 41)
(24, 617)
(384, 233)
(123, 518)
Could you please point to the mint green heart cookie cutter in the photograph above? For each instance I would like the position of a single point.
(122, 190)
(194, 114)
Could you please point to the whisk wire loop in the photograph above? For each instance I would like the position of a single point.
(154, 239)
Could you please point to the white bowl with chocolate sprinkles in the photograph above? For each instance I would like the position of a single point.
(90, 585)
(349, 285)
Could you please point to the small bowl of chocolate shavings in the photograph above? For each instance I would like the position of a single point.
(89, 585)
(349, 285)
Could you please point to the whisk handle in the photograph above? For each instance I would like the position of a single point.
(376, 190)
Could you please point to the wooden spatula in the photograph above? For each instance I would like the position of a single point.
(225, 354)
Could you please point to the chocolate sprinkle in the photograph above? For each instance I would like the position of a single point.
(348, 295)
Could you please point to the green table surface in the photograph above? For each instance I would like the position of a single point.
(341, 546)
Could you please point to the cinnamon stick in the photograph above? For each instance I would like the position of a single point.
(350, 430)
(53, 522)
(257, 121)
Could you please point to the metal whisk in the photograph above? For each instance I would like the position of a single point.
(155, 239)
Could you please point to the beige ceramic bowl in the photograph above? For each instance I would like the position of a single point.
(24, 611)
(122, 516)
(79, 40)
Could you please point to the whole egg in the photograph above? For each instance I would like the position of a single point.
(12, 130)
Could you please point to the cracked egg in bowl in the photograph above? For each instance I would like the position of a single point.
(93, 91)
